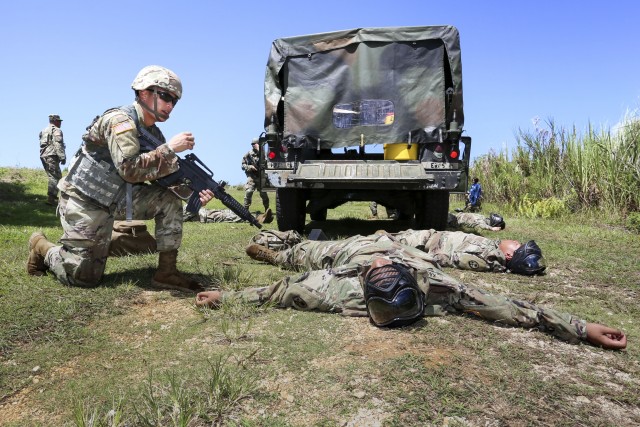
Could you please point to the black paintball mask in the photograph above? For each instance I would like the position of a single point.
(496, 220)
(527, 260)
(392, 296)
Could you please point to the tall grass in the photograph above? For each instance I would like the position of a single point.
(553, 170)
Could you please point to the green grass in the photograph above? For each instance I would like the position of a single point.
(124, 354)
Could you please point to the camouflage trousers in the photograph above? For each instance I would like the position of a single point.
(249, 189)
(339, 290)
(51, 166)
(87, 227)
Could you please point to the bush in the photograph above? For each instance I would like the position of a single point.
(546, 208)
(633, 221)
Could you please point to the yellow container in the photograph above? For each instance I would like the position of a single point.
(400, 152)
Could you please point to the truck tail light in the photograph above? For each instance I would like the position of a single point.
(455, 152)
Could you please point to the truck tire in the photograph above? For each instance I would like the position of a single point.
(320, 215)
(290, 209)
(432, 210)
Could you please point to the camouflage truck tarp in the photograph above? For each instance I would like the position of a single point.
(374, 95)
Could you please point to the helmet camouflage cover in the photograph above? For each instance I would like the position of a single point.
(155, 75)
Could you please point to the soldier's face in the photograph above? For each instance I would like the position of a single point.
(160, 104)
(508, 247)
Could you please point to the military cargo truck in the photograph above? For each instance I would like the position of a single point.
(333, 99)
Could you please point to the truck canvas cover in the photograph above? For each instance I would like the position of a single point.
(364, 86)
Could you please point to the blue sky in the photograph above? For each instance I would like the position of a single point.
(571, 61)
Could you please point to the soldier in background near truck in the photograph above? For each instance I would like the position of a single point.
(52, 154)
(250, 164)
(205, 215)
(493, 222)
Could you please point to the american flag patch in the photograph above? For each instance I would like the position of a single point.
(122, 127)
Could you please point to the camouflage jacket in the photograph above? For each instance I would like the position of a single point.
(52, 142)
(113, 139)
(252, 158)
(339, 290)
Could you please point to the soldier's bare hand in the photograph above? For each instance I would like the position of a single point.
(606, 337)
(209, 299)
(206, 196)
(251, 168)
(182, 141)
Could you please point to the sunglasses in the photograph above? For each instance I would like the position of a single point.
(165, 96)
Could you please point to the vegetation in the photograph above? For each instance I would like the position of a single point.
(123, 354)
(554, 172)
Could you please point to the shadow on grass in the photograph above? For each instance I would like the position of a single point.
(339, 228)
(18, 207)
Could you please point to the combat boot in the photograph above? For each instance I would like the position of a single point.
(265, 218)
(52, 201)
(168, 277)
(38, 247)
(262, 253)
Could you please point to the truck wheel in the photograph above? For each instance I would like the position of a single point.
(320, 215)
(290, 209)
(432, 210)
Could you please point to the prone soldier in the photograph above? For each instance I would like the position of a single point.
(448, 248)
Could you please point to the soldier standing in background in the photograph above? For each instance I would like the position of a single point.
(52, 154)
(108, 177)
(250, 163)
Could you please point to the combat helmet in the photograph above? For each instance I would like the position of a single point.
(155, 75)
(527, 260)
(392, 296)
(496, 220)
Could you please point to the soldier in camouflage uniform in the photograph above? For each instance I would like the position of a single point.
(205, 215)
(493, 222)
(250, 163)
(340, 290)
(52, 154)
(448, 248)
(108, 169)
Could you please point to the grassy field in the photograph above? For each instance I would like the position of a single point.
(123, 354)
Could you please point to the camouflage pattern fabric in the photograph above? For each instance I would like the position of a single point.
(250, 162)
(339, 290)
(457, 249)
(406, 72)
(51, 165)
(52, 152)
(448, 249)
(87, 226)
(205, 215)
(277, 240)
(82, 258)
(52, 142)
(470, 220)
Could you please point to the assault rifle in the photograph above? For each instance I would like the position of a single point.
(197, 179)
